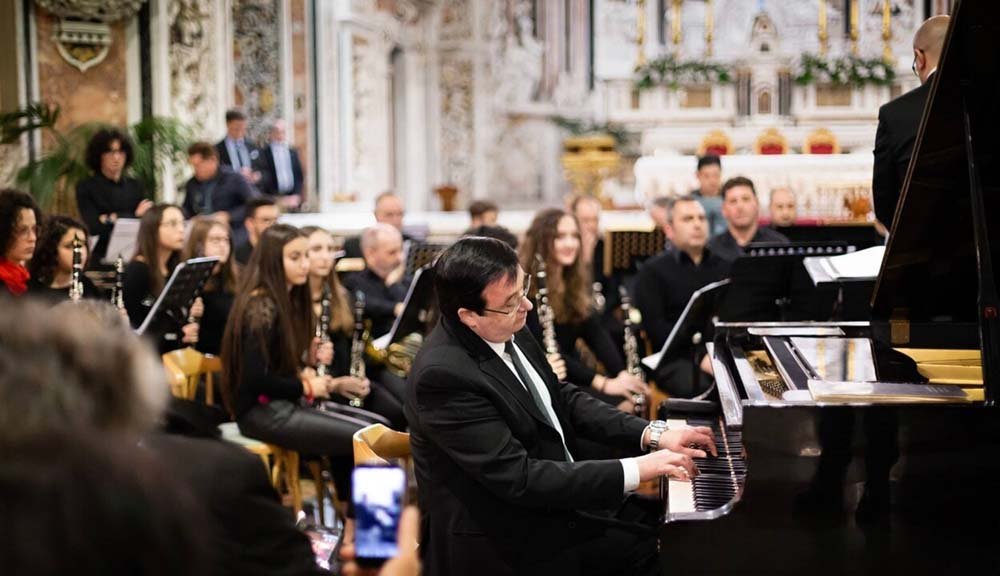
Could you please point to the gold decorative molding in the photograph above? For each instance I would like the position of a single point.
(887, 32)
(855, 15)
(640, 34)
(675, 26)
(823, 33)
(710, 27)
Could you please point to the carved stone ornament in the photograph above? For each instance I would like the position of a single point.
(82, 35)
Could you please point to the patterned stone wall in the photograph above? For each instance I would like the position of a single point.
(193, 66)
(257, 62)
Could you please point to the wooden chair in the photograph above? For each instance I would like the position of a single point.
(186, 368)
(378, 444)
(282, 465)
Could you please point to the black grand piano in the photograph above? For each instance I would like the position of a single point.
(844, 484)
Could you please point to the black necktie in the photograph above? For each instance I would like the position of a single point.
(523, 374)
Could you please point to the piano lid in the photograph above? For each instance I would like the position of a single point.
(930, 274)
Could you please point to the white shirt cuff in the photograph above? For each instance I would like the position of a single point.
(631, 469)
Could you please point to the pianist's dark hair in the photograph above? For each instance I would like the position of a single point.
(737, 181)
(464, 270)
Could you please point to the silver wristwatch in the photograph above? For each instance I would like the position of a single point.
(656, 427)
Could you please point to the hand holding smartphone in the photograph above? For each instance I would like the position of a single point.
(378, 495)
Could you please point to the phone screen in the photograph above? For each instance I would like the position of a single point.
(378, 503)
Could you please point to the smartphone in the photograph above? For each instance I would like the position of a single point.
(378, 493)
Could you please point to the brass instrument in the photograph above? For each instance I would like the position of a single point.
(398, 357)
(76, 282)
(323, 328)
(545, 315)
(358, 343)
(632, 365)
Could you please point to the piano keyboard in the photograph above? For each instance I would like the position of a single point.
(719, 482)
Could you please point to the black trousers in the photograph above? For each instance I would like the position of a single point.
(309, 432)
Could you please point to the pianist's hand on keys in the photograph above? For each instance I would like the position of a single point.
(694, 441)
(666, 463)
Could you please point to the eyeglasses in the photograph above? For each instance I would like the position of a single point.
(524, 294)
(913, 66)
(172, 224)
(25, 231)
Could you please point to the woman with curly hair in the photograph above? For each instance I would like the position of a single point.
(51, 267)
(108, 194)
(554, 236)
(20, 218)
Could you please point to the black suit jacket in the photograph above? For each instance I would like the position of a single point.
(231, 193)
(268, 183)
(497, 495)
(898, 122)
(225, 160)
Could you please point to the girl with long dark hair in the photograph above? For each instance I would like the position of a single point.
(269, 357)
(554, 235)
(211, 237)
(51, 267)
(20, 220)
(158, 250)
(322, 275)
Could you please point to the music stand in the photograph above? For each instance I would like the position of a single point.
(692, 326)
(420, 254)
(179, 292)
(122, 241)
(417, 308)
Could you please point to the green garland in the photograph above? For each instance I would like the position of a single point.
(671, 72)
(845, 71)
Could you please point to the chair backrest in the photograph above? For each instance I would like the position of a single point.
(378, 444)
(185, 368)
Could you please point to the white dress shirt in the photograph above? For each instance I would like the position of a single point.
(630, 467)
(283, 167)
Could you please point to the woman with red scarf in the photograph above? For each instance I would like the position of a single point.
(20, 218)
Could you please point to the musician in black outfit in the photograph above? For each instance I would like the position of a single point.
(382, 279)
(665, 285)
(210, 237)
(108, 194)
(899, 120)
(158, 250)
(340, 331)
(741, 210)
(269, 358)
(262, 212)
(51, 267)
(494, 433)
(388, 210)
(20, 220)
(555, 236)
(216, 190)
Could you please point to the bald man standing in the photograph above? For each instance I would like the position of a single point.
(899, 120)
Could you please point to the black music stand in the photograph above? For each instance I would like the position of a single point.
(418, 307)
(179, 292)
(419, 255)
(770, 284)
(693, 328)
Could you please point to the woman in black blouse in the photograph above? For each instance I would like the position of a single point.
(269, 357)
(211, 237)
(20, 219)
(341, 330)
(555, 236)
(161, 238)
(51, 267)
(109, 194)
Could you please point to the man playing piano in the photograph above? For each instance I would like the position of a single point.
(666, 283)
(495, 437)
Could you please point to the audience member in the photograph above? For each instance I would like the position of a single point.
(658, 208)
(381, 281)
(235, 151)
(709, 179)
(20, 220)
(280, 169)
(388, 210)
(494, 434)
(498, 232)
(209, 237)
(215, 190)
(51, 266)
(262, 213)
(665, 285)
(108, 194)
(483, 213)
(782, 207)
(741, 209)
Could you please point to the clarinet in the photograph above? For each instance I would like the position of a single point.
(76, 282)
(118, 291)
(599, 301)
(323, 328)
(632, 365)
(358, 343)
(545, 315)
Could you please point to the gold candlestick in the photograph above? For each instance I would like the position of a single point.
(640, 34)
(855, 9)
(824, 35)
(887, 32)
(709, 27)
(675, 26)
